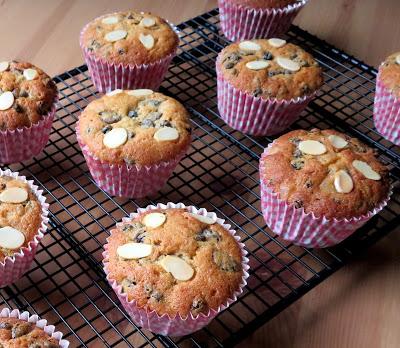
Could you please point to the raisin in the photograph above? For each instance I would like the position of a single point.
(18, 108)
(131, 134)
(225, 262)
(229, 65)
(121, 51)
(267, 55)
(165, 123)
(148, 289)
(206, 235)
(298, 203)
(151, 102)
(20, 329)
(305, 89)
(147, 123)
(127, 284)
(132, 114)
(94, 45)
(43, 108)
(297, 164)
(257, 92)
(297, 153)
(88, 130)
(157, 296)
(5, 325)
(198, 306)
(106, 129)
(110, 117)
(309, 184)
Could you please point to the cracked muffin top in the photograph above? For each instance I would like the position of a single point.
(135, 127)
(270, 68)
(17, 333)
(263, 3)
(129, 38)
(20, 215)
(27, 93)
(325, 172)
(173, 261)
(389, 73)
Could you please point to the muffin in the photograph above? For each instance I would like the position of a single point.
(28, 99)
(387, 99)
(128, 50)
(174, 268)
(319, 186)
(23, 218)
(133, 140)
(263, 85)
(24, 331)
(256, 19)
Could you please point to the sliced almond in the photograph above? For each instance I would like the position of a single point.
(147, 22)
(154, 220)
(30, 74)
(257, 64)
(249, 46)
(274, 42)
(115, 35)
(343, 182)
(11, 238)
(397, 59)
(179, 268)
(366, 170)
(110, 20)
(166, 134)
(140, 92)
(202, 218)
(6, 100)
(312, 147)
(114, 92)
(4, 66)
(132, 250)
(288, 64)
(147, 40)
(14, 195)
(115, 138)
(337, 142)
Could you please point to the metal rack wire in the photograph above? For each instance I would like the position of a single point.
(66, 284)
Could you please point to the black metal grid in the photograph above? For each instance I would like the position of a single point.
(66, 284)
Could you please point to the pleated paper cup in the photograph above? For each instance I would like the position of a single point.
(40, 323)
(14, 267)
(255, 115)
(241, 22)
(305, 229)
(177, 325)
(386, 112)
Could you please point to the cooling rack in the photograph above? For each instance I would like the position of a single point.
(66, 284)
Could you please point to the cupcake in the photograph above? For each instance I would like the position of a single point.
(133, 140)
(253, 19)
(23, 330)
(387, 99)
(264, 85)
(28, 99)
(174, 268)
(23, 219)
(128, 50)
(319, 186)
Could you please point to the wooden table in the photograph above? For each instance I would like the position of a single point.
(358, 306)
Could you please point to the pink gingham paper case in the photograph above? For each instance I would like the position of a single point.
(178, 325)
(40, 323)
(306, 229)
(242, 22)
(387, 112)
(13, 267)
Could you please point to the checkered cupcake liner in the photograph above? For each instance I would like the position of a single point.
(305, 229)
(255, 115)
(107, 76)
(40, 323)
(178, 325)
(386, 112)
(241, 22)
(24, 143)
(14, 267)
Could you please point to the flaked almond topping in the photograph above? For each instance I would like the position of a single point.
(288, 64)
(166, 134)
(130, 251)
(110, 20)
(202, 218)
(30, 74)
(249, 46)
(154, 220)
(14, 195)
(398, 59)
(179, 268)
(115, 138)
(337, 142)
(274, 42)
(4, 66)
(147, 22)
(257, 64)
(6, 100)
(366, 170)
(11, 238)
(147, 40)
(116, 35)
(343, 182)
(312, 147)
(140, 92)
(114, 92)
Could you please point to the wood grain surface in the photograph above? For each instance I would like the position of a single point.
(358, 306)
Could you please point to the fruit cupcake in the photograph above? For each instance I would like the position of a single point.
(319, 186)
(128, 50)
(256, 19)
(387, 99)
(264, 85)
(132, 140)
(28, 98)
(174, 268)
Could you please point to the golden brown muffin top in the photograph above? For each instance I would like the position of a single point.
(190, 266)
(263, 3)
(389, 73)
(325, 172)
(129, 38)
(26, 94)
(20, 216)
(136, 127)
(270, 69)
(17, 333)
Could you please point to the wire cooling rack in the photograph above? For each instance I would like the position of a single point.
(66, 284)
